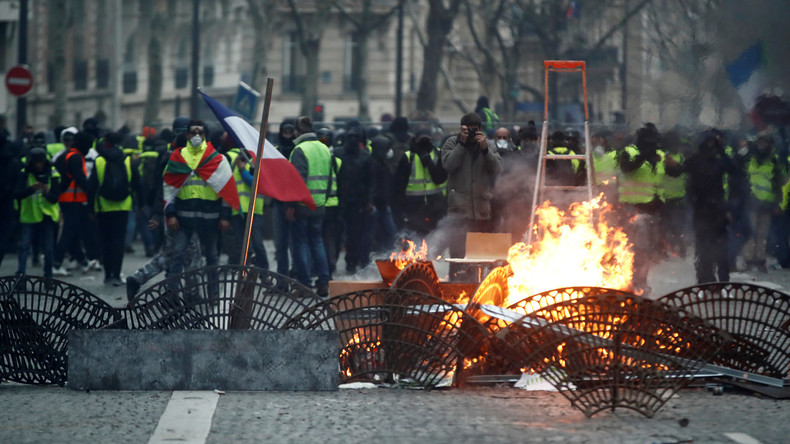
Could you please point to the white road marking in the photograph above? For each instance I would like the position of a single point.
(742, 438)
(187, 418)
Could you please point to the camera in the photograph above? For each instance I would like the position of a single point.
(472, 132)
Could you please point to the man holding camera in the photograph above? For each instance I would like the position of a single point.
(420, 185)
(472, 164)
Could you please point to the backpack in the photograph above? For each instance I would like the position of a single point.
(115, 185)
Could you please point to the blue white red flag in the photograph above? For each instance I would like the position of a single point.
(747, 73)
(277, 177)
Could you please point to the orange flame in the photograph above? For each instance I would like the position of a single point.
(570, 249)
(409, 255)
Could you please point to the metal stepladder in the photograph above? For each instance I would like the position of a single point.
(540, 179)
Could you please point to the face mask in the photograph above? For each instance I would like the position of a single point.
(390, 154)
(196, 141)
(744, 150)
(501, 144)
(599, 150)
(331, 149)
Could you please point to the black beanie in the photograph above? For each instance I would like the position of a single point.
(83, 141)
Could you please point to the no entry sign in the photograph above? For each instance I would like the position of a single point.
(19, 80)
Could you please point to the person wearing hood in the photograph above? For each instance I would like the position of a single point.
(400, 136)
(282, 233)
(73, 202)
(37, 192)
(111, 186)
(354, 186)
(706, 175)
(472, 164)
(420, 186)
(9, 169)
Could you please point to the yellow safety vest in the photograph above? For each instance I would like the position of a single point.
(244, 190)
(318, 159)
(641, 186)
(33, 208)
(760, 179)
(420, 182)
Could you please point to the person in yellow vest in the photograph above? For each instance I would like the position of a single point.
(37, 192)
(642, 170)
(605, 165)
(421, 186)
(673, 222)
(243, 176)
(764, 174)
(112, 183)
(312, 160)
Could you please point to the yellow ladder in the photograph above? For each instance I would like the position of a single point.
(540, 179)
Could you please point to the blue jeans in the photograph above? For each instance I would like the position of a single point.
(308, 247)
(45, 231)
(282, 235)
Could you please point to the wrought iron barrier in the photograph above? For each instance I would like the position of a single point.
(388, 334)
(220, 297)
(758, 319)
(36, 315)
(609, 351)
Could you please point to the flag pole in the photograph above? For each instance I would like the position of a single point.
(261, 141)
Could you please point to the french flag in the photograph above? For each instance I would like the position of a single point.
(277, 177)
(747, 73)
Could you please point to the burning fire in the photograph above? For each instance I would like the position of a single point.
(410, 254)
(570, 249)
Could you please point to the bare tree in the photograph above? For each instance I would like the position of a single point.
(441, 15)
(262, 18)
(58, 25)
(682, 34)
(311, 19)
(366, 18)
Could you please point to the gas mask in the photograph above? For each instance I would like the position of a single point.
(196, 140)
(599, 150)
(502, 144)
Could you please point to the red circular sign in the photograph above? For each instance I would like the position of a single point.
(19, 80)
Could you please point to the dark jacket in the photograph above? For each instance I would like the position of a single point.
(355, 180)
(470, 180)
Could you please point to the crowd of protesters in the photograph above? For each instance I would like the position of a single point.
(78, 197)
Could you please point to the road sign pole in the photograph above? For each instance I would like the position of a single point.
(21, 102)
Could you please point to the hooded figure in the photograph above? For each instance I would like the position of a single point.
(285, 142)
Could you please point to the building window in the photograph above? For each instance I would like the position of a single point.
(80, 74)
(181, 77)
(293, 65)
(351, 66)
(102, 73)
(208, 75)
(129, 68)
(208, 67)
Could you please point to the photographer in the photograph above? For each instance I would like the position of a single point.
(472, 164)
(420, 185)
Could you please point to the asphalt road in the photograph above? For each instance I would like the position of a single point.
(44, 414)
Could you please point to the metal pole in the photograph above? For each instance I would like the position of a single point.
(399, 63)
(194, 103)
(21, 102)
(117, 63)
(261, 142)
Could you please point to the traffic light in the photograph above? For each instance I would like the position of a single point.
(318, 113)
